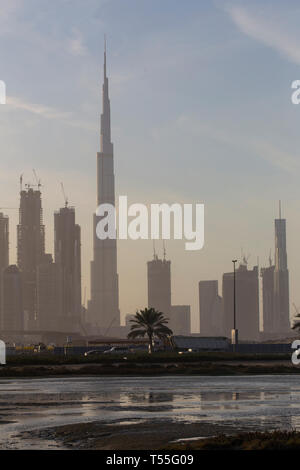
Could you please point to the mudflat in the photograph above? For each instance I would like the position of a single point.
(130, 436)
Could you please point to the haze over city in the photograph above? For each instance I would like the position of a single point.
(196, 117)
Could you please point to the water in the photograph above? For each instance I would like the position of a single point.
(249, 402)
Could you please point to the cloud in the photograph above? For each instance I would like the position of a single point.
(75, 45)
(41, 110)
(269, 32)
(261, 147)
(47, 112)
(8, 13)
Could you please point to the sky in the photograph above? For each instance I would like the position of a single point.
(201, 112)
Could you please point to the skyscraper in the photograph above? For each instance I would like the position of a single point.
(4, 250)
(12, 302)
(104, 303)
(211, 309)
(159, 285)
(30, 249)
(4, 240)
(180, 319)
(68, 258)
(281, 278)
(267, 275)
(49, 295)
(247, 302)
(160, 298)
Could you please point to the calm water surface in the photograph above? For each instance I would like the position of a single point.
(252, 402)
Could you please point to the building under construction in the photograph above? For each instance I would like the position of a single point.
(4, 254)
(30, 249)
(67, 248)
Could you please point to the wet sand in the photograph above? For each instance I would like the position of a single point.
(109, 412)
(131, 436)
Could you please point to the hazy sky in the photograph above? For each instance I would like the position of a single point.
(201, 112)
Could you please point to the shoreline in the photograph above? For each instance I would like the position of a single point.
(218, 368)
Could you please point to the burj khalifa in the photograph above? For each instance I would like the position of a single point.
(103, 308)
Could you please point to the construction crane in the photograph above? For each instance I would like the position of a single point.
(244, 257)
(64, 195)
(38, 181)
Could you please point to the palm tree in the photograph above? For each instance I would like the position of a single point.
(149, 322)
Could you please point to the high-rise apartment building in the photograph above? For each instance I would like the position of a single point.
(12, 318)
(211, 309)
(247, 302)
(267, 275)
(4, 250)
(67, 246)
(30, 249)
(49, 295)
(281, 279)
(159, 285)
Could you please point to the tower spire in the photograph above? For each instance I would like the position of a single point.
(104, 68)
(106, 145)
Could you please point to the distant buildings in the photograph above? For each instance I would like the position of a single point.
(49, 295)
(268, 300)
(4, 250)
(180, 319)
(38, 294)
(275, 283)
(30, 249)
(67, 247)
(247, 302)
(159, 285)
(281, 279)
(211, 309)
(4, 241)
(159, 296)
(12, 317)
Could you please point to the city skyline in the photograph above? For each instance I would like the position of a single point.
(152, 141)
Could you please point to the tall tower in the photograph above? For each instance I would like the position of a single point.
(4, 260)
(104, 303)
(12, 303)
(247, 302)
(4, 253)
(281, 278)
(31, 249)
(211, 309)
(68, 258)
(159, 285)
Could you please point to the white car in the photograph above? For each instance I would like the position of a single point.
(117, 350)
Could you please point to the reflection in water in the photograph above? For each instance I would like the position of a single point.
(253, 402)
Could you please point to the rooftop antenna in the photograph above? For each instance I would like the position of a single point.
(64, 194)
(270, 257)
(104, 55)
(21, 182)
(154, 252)
(164, 248)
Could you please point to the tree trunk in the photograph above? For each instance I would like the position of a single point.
(150, 347)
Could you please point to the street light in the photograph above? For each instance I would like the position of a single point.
(234, 332)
